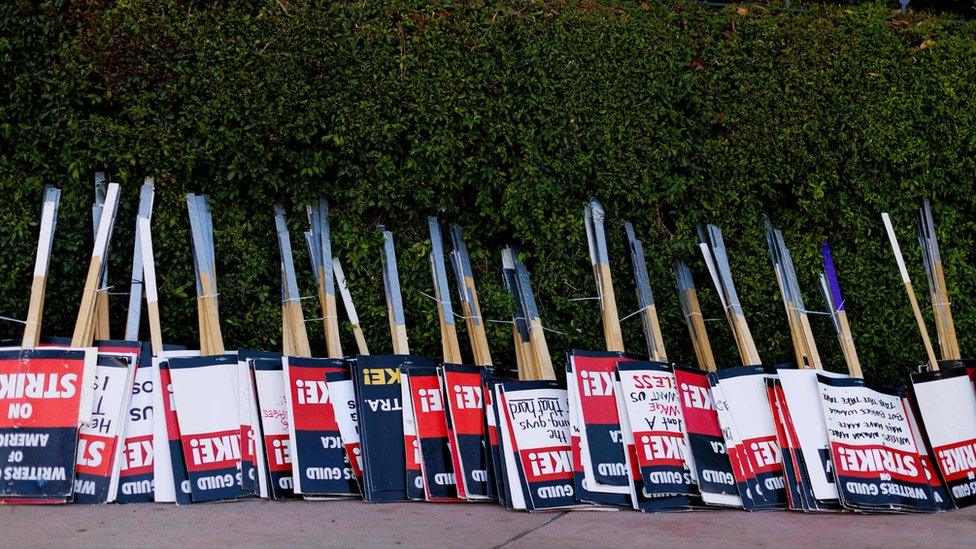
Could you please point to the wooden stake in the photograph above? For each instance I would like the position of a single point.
(932, 260)
(540, 366)
(691, 310)
(146, 195)
(596, 236)
(204, 260)
(320, 251)
(149, 281)
(445, 311)
(652, 326)
(357, 331)
(464, 278)
(394, 300)
(911, 291)
(294, 319)
(84, 331)
(45, 242)
(101, 300)
(830, 287)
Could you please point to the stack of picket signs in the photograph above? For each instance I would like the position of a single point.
(93, 420)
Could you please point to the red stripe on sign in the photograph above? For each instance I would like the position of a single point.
(95, 455)
(137, 456)
(547, 464)
(210, 451)
(873, 461)
(310, 402)
(464, 395)
(696, 403)
(277, 449)
(659, 449)
(40, 393)
(958, 460)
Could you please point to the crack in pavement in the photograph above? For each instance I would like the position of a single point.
(520, 535)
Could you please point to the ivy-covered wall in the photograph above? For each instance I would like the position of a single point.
(505, 117)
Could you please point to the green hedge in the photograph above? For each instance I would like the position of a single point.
(505, 117)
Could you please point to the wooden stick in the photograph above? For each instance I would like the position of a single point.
(716, 259)
(645, 299)
(320, 248)
(291, 303)
(149, 281)
(596, 237)
(357, 330)
(101, 300)
(45, 243)
(830, 287)
(84, 331)
(394, 300)
(541, 364)
(204, 258)
(932, 260)
(911, 291)
(146, 195)
(470, 306)
(691, 310)
(445, 311)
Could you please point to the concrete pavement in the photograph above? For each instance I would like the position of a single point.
(353, 523)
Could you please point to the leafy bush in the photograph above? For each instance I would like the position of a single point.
(505, 117)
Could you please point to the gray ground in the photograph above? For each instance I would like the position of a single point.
(353, 523)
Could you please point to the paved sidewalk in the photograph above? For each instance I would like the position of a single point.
(353, 523)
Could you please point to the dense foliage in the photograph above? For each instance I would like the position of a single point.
(505, 117)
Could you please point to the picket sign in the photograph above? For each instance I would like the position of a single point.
(946, 404)
(498, 472)
(272, 404)
(379, 408)
(48, 400)
(466, 421)
(169, 468)
(319, 464)
(426, 400)
(98, 460)
(535, 415)
(254, 460)
(873, 450)
(940, 494)
(137, 452)
(717, 479)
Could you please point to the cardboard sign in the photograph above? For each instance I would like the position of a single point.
(940, 496)
(378, 404)
(427, 403)
(172, 484)
(467, 425)
(713, 469)
(745, 477)
(801, 395)
(799, 492)
(873, 450)
(515, 488)
(642, 498)
(98, 440)
(603, 495)
(604, 463)
(45, 396)
(343, 401)
(654, 417)
(269, 382)
(947, 406)
(749, 413)
(206, 395)
(319, 465)
(490, 377)
(253, 476)
(537, 417)
(137, 457)
(413, 464)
